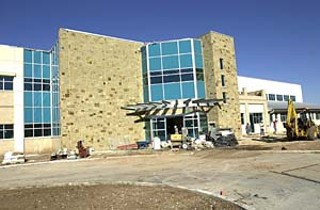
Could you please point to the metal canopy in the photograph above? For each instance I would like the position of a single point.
(146, 111)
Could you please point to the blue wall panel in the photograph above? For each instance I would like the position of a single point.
(154, 50)
(188, 90)
(156, 92)
(172, 91)
(170, 62)
(169, 48)
(185, 46)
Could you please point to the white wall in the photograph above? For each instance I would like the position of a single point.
(11, 63)
(271, 87)
(247, 109)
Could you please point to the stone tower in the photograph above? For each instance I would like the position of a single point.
(220, 71)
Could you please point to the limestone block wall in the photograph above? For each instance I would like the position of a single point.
(6, 107)
(6, 146)
(98, 75)
(32, 145)
(215, 47)
(42, 145)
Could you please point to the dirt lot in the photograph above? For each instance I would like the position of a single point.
(271, 143)
(261, 174)
(109, 197)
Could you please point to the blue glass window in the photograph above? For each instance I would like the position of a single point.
(28, 115)
(54, 71)
(8, 86)
(56, 115)
(201, 91)
(46, 99)
(54, 59)
(54, 87)
(197, 46)
(39, 108)
(188, 90)
(199, 63)
(155, 64)
(156, 92)
(27, 99)
(171, 78)
(37, 99)
(55, 131)
(170, 62)
(37, 114)
(156, 80)
(55, 99)
(172, 91)
(185, 46)
(189, 70)
(27, 70)
(46, 72)
(46, 58)
(46, 115)
(154, 49)
(185, 61)
(187, 77)
(169, 48)
(27, 56)
(36, 56)
(37, 71)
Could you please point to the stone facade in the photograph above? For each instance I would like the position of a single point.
(98, 75)
(32, 145)
(42, 145)
(215, 47)
(6, 107)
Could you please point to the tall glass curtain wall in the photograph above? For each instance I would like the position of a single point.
(175, 70)
(41, 93)
(55, 91)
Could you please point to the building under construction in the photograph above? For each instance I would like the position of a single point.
(108, 91)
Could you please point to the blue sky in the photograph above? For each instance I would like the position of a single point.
(275, 39)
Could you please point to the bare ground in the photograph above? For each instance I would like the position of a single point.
(109, 197)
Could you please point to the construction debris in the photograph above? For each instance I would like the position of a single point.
(13, 158)
(80, 152)
(229, 140)
(127, 146)
(223, 138)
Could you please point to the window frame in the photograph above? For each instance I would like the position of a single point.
(4, 130)
(271, 97)
(6, 83)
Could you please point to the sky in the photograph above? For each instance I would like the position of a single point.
(275, 39)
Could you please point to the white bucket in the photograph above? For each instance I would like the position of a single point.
(156, 143)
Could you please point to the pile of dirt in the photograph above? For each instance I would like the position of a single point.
(110, 197)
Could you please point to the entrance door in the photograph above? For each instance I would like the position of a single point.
(252, 123)
(171, 122)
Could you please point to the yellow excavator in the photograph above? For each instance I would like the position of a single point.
(302, 126)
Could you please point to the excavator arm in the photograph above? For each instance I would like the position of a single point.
(292, 121)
